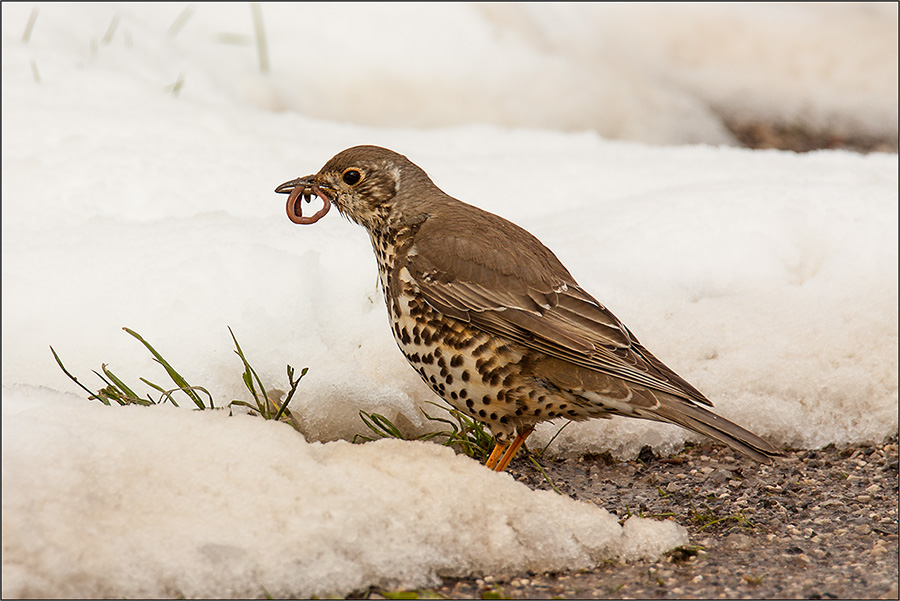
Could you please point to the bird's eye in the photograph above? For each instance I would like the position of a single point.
(351, 176)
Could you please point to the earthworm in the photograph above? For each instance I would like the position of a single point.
(303, 188)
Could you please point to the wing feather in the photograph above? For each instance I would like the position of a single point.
(533, 300)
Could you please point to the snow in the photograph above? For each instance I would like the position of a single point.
(252, 507)
(767, 279)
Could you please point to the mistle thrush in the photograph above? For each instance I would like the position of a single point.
(490, 318)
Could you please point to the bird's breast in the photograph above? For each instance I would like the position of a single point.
(485, 376)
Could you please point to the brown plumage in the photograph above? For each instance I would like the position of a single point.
(491, 319)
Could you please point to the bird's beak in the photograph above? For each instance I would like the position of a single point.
(303, 188)
(287, 187)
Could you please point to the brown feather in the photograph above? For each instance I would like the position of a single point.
(522, 291)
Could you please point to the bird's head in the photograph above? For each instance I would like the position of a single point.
(368, 184)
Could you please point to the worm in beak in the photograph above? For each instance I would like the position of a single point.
(303, 188)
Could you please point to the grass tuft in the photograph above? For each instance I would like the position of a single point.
(464, 434)
(117, 391)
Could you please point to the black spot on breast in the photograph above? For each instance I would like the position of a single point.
(463, 393)
(465, 375)
(456, 361)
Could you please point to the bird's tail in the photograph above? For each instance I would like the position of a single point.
(698, 419)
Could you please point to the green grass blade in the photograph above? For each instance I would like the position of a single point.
(176, 377)
(540, 468)
(129, 393)
(161, 390)
(381, 425)
(546, 446)
(294, 383)
(248, 376)
(71, 377)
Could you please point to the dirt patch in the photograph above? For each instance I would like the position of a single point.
(800, 139)
(818, 524)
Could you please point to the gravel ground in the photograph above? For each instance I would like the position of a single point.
(817, 524)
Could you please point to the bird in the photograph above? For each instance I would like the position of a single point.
(490, 318)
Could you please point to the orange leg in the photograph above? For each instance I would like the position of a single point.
(499, 447)
(511, 450)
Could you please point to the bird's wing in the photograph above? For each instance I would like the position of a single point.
(520, 291)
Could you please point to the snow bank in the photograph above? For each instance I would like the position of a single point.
(97, 503)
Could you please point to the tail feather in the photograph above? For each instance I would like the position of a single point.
(698, 419)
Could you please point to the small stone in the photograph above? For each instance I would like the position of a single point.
(737, 540)
(720, 476)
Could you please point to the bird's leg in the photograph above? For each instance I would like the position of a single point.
(496, 453)
(511, 450)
